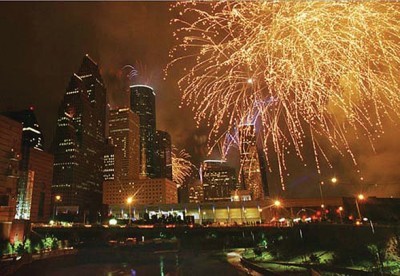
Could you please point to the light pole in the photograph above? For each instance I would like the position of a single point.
(334, 180)
(57, 198)
(277, 204)
(129, 201)
(340, 209)
(359, 197)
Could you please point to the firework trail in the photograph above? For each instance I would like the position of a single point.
(331, 68)
(131, 72)
(181, 166)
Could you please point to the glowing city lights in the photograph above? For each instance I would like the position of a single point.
(129, 200)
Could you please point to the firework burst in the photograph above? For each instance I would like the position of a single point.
(181, 166)
(331, 69)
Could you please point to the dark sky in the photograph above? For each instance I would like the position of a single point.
(42, 44)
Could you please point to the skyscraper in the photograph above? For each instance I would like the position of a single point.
(79, 142)
(124, 178)
(109, 160)
(162, 154)
(250, 166)
(31, 133)
(218, 179)
(36, 170)
(10, 146)
(143, 104)
(124, 132)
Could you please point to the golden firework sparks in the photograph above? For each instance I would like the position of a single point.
(181, 166)
(310, 70)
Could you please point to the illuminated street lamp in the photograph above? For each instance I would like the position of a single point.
(57, 198)
(334, 180)
(277, 204)
(340, 210)
(359, 197)
(129, 200)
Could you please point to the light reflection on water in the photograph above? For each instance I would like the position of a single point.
(161, 265)
(155, 265)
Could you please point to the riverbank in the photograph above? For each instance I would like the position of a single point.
(11, 265)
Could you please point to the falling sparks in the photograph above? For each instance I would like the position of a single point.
(332, 68)
(181, 166)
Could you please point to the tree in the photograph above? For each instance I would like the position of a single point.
(28, 246)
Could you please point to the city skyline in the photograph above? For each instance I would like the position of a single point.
(200, 137)
(46, 74)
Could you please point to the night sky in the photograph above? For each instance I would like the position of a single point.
(43, 44)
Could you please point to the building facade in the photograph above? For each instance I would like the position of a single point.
(36, 170)
(143, 191)
(162, 154)
(124, 132)
(218, 179)
(10, 155)
(234, 212)
(32, 136)
(142, 102)
(195, 191)
(109, 160)
(37, 201)
(79, 141)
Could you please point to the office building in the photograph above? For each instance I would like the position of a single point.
(10, 155)
(143, 191)
(250, 166)
(218, 179)
(195, 191)
(124, 132)
(142, 102)
(79, 142)
(162, 154)
(36, 205)
(31, 133)
(109, 160)
(36, 169)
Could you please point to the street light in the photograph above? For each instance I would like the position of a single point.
(57, 198)
(277, 204)
(129, 201)
(334, 180)
(359, 197)
(340, 210)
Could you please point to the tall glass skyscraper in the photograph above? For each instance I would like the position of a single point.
(124, 132)
(253, 176)
(79, 142)
(143, 103)
(162, 154)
